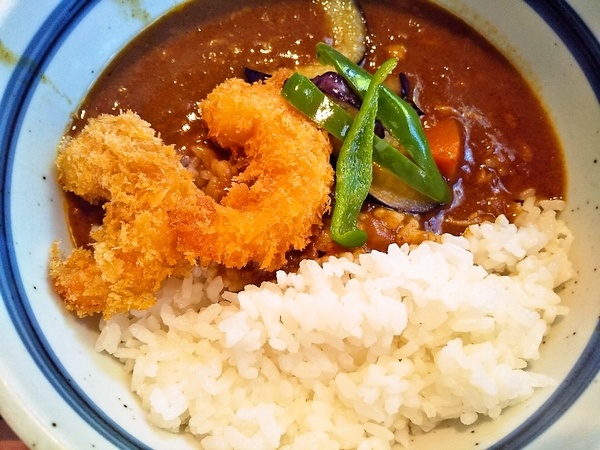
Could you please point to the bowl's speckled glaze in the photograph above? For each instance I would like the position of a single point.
(56, 392)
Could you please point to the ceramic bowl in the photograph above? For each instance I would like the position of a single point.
(57, 392)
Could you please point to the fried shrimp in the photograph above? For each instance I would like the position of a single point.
(274, 203)
(157, 223)
(120, 161)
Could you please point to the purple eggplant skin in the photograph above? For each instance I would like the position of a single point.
(334, 85)
(252, 76)
(379, 130)
(407, 93)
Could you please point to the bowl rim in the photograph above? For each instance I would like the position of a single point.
(559, 15)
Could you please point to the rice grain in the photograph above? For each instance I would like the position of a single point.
(355, 353)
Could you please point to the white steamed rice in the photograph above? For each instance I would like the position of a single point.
(352, 354)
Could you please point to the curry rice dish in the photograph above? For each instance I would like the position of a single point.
(203, 210)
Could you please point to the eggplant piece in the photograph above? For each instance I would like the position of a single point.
(348, 26)
(395, 193)
(252, 75)
(407, 93)
(334, 85)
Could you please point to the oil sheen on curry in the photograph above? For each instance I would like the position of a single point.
(508, 148)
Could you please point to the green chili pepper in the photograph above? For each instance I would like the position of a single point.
(396, 115)
(354, 166)
(301, 93)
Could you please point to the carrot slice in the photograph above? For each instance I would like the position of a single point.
(445, 141)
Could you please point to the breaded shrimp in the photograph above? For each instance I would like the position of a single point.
(118, 159)
(274, 203)
(158, 223)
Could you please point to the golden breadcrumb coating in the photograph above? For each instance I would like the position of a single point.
(158, 223)
(119, 159)
(274, 203)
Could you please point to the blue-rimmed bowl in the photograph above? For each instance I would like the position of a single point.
(57, 392)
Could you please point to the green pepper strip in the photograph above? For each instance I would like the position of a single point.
(354, 169)
(397, 116)
(301, 93)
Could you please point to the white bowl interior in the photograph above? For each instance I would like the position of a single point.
(37, 215)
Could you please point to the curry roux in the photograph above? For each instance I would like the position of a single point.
(509, 143)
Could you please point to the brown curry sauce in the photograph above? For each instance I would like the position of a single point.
(509, 143)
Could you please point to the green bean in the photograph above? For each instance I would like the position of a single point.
(301, 93)
(354, 166)
(396, 115)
